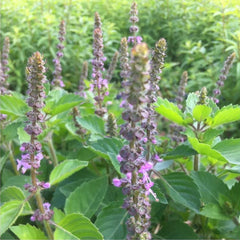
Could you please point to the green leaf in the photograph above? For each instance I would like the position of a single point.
(58, 215)
(13, 106)
(226, 114)
(180, 151)
(92, 123)
(64, 103)
(211, 134)
(205, 149)
(87, 198)
(15, 193)
(201, 112)
(210, 187)
(230, 150)
(10, 131)
(66, 169)
(76, 226)
(9, 213)
(169, 111)
(177, 230)
(108, 148)
(111, 222)
(26, 232)
(181, 189)
(163, 165)
(191, 102)
(22, 135)
(3, 160)
(214, 211)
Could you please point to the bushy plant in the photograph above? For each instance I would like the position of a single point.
(104, 162)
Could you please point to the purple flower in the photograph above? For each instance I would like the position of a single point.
(133, 39)
(146, 167)
(117, 182)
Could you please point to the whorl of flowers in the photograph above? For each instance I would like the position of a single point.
(81, 85)
(100, 85)
(149, 122)
(57, 74)
(134, 28)
(112, 66)
(224, 72)
(32, 151)
(81, 131)
(175, 130)
(3, 91)
(137, 184)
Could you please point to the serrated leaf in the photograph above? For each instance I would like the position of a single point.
(201, 112)
(87, 198)
(180, 151)
(210, 134)
(58, 215)
(205, 149)
(191, 102)
(177, 230)
(13, 106)
(225, 115)
(210, 187)
(10, 131)
(9, 213)
(111, 222)
(92, 123)
(15, 193)
(3, 160)
(214, 211)
(181, 189)
(65, 102)
(108, 148)
(169, 111)
(66, 169)
(26, 232)
(76, 226)
(230, 150)
(22, 135)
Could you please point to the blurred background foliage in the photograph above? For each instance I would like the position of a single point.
(200, 35)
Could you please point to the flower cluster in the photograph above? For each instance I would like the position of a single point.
(46, 215)
(81, 85)
(57, 77)
(100, 85)
(137, 184)
(156, 64)
(224, 72)
(134, 28)
(32, 151)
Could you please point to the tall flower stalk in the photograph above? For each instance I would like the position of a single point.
(100, 85)
(57, 74)
(137, 184)
(150, 122)
(134, 28)
(224, 72)
(4, 59)
(32, 150)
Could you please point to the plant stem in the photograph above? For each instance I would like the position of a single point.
(12, 160)
(196, 162)
(52, 151)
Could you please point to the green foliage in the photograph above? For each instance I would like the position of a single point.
(66, 169)
(87, 198)
(76, 226)
(111, 221)
(25, 232)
